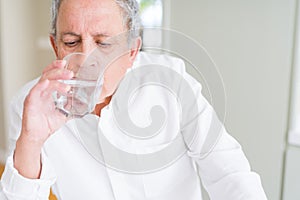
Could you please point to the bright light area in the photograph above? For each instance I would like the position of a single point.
(151, 12)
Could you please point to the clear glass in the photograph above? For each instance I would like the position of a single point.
(86, 85)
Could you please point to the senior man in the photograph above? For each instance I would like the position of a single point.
(46, 153)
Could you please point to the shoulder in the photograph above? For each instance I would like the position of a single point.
(174, 63)
(17, 101)
(15, 112)
(146, 58)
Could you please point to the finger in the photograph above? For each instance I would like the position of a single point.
(34, 94)
(55, 86)
(57, 74)
(37, 90)
(45, 88)
(55, 64)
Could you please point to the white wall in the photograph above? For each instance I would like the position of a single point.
(292, 175)
(251, 42)
(2, 135)
(292, 160)
(22, 22)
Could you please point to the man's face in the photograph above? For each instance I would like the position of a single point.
(84, 25)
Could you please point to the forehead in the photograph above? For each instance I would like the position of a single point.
(90, 16)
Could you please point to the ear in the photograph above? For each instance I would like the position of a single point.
(135, 49)
(53, 44)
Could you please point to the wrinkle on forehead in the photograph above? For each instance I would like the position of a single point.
(90, 16)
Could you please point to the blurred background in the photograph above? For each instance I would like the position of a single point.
(254, 44)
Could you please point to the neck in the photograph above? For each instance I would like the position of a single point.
(101, 105)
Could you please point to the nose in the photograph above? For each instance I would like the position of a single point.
(87, 46)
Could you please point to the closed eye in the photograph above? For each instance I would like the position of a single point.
(103, 44)
(71, 44)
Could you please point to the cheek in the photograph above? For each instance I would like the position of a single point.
(114, 73)
(61, 53)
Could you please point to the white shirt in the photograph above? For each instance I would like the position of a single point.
(71, 167)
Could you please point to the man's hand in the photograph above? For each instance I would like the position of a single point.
(40, 119)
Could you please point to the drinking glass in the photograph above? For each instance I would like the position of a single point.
(86, 85)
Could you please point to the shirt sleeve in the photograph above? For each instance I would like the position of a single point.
(226, 174)
(14, 186)
(222, 166)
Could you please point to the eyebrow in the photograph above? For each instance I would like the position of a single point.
(101, 35)
(70, 33)
(77, 35)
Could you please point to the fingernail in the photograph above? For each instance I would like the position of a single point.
(61, 62)
(70, 73)
(68, 88)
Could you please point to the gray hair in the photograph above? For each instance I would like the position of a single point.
(130, 12)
